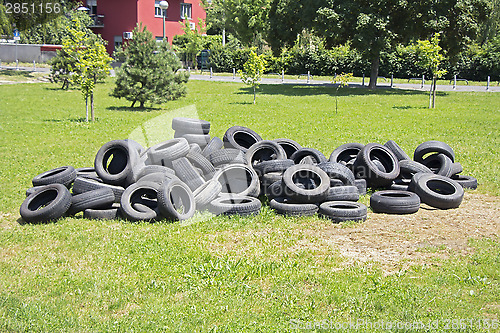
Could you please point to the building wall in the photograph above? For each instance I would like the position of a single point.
(123, 15)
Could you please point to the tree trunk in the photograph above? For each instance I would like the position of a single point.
(87, 109)
(434, 80)
(374, 71)
(92, 107)
(142, 105)
(253, 94)
(430, 96)
(133, 103)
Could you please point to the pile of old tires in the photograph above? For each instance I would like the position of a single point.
(195, 172)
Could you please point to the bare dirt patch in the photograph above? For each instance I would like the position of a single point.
(393, 241)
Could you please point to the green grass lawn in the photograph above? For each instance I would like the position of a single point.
(92, 276)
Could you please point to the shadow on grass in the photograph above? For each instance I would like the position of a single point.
(132, 109)
(330, 90)
(13, 72)
(408, 107)
(72, 120)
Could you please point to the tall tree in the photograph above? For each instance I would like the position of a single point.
(150, 71)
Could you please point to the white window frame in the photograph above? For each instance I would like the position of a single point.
(159, 10)
(186, 8)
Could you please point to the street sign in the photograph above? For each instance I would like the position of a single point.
(17, 35)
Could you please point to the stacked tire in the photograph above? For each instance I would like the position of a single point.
(193, 172)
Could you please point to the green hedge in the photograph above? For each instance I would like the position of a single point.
(476, 63)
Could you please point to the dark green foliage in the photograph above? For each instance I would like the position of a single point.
(150, 71)
(28, 14)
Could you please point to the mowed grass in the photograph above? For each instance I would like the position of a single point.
(229, 274)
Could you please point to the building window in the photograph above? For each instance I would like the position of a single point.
(92, 5)
(159, 39)
(158, 10)
(118, 41)
(186, 9)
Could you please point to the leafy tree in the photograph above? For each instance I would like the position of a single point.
(89, 62)
(253, 70)
(246, 19)
(27, 14)
(191, 42)
(430, 57)
(5, 25)
(150, 71)
(341, 80)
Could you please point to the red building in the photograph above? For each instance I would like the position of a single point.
(115, 19)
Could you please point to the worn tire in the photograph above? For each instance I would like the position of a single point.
(408, 168)
(166, 152)
(361, 186)
(283, 207)
(289, 146)
(82, 185)
(87, 173)
(366, 169)
(272, 166)
(302, 153)
(48, 203)
(394, 202)
(102, 214)
(397, 150)
(214, 145)
(189, 125)
(206, 193)
(239, 180)
(236, 205)
(114, 162)
(315, 181)
(174, 196)
(433, 147)
(343, 193)
(201, 162)
(439, 164)
(338, 171)
(345, 153)
(187, 173)
(96, 199)
(65, 175)
(264, 151)
(341, 211)
(199, 139)
(227, 156)
(456, 168)
(139, 202)
(466, 181)
(241, 138)
(438, 191)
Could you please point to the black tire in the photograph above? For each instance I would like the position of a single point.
(165, 152)
(315, 181)
(96, 199)
(343, 193)
(158, 178)
(408, 168)
(102, 214)
(264, 151)
(439, 191)
(200, 161)
(139, 202)
(379, 165)
(283, 207)
(189, 125)
(397, 150)
(456, 168)
(315, 154)
(87, 173)
(48, 203)
(64, 175)
(214, 145)
(395, 202)
(338, 171)
(272, 166)
(114, 162)
(176, 201)
(270, 178)
(226, 156)
(361, 186)
(275, 190)
(400, 185)
(466, 181)
(199, 139)
(308, 160)
(236, 205)
(187, 173)
(336, 182)
(206, 193)
(341, 211)
(365, 168)
(135, 145)
(149, 169)
(440, 164)
(289, 146)
(241, 138)
(345, 153)
(83, 185)
(239, 180)
(432, 147)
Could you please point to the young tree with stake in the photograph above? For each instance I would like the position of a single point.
(253, 70)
